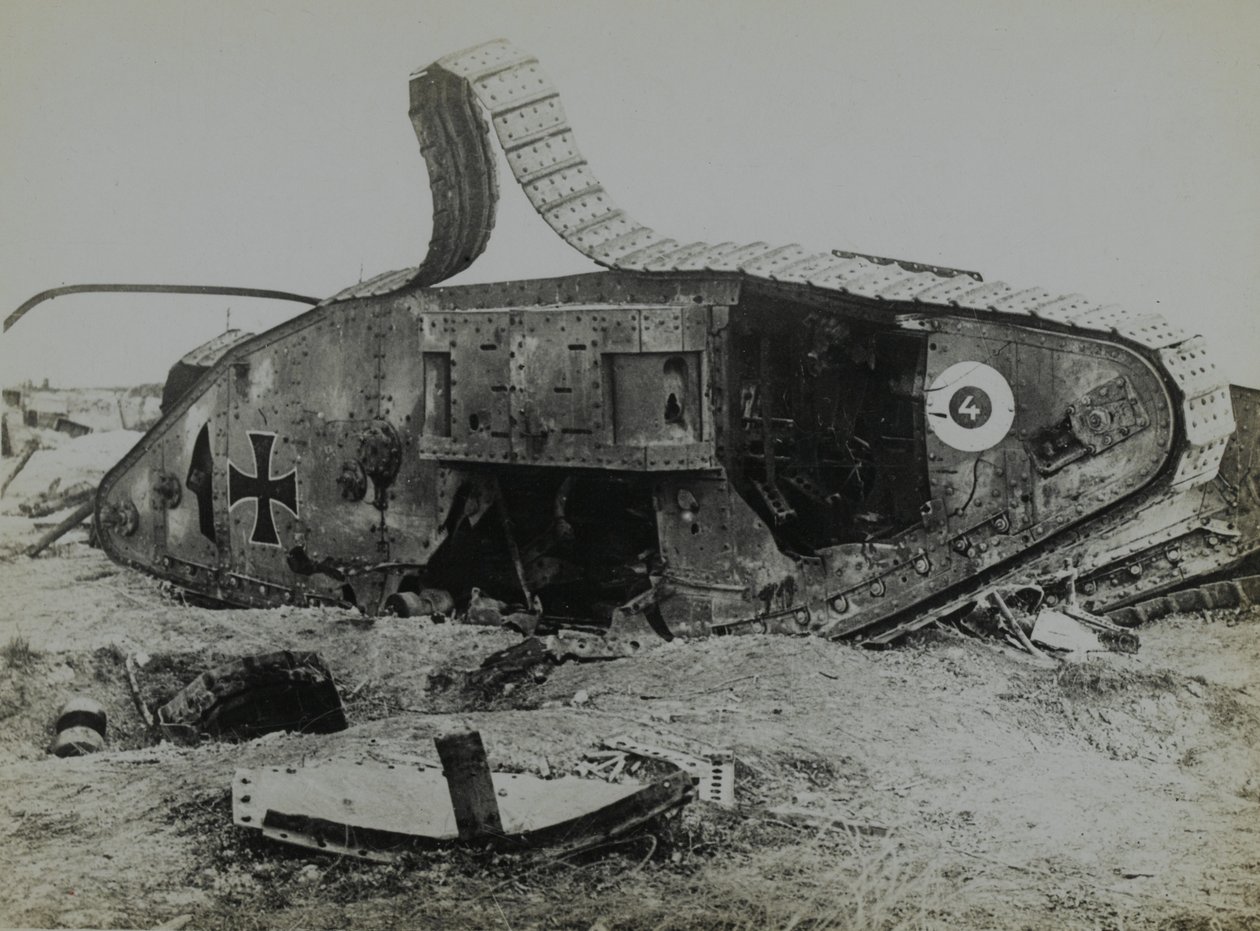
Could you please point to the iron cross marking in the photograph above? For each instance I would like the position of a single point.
(263, 488)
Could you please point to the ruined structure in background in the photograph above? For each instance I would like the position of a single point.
(79, 411)
(702, 439)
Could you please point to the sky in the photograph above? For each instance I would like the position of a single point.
(1110, 148)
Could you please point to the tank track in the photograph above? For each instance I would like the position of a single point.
(1232, 593)
(531, 127)
(530, 123)
(533, 131)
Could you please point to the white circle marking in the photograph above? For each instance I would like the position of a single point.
(963, 436)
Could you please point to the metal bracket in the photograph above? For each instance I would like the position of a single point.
(714, 775)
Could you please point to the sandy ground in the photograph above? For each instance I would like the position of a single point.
(1117, 794)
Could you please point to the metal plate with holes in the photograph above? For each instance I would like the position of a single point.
(375, 811)
(714, 774)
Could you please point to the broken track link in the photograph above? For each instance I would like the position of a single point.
(1235, 593)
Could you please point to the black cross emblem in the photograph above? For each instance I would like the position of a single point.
(281, 490)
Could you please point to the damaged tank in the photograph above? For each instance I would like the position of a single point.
(702, 439)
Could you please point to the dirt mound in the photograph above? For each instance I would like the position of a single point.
(1113, 793)
(1121, 792)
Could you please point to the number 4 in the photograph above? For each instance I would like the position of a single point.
(968, 407)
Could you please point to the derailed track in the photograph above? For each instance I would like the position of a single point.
(1107, 472)
(529, 120)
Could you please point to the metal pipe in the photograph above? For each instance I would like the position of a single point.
(81, 513)
(263, 293)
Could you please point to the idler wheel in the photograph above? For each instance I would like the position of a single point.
(122, 518)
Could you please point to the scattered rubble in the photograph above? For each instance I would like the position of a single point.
(1023, 619)
(836, 750)
(78, 411)
(57, 499)
(256, 695)
(55, 471)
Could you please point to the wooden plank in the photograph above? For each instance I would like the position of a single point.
(467, 773)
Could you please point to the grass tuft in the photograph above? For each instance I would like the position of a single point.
(18, 654)
(1094, 677)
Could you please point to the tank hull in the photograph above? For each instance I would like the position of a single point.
(704, 438)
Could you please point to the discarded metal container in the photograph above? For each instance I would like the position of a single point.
(80, 728)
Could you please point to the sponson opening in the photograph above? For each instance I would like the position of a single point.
(581, 543)
(827, 426)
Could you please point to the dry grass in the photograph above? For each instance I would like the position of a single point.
(821, 883)
(738, 874)
(18, 654)
(1097, 677)
(817, 885)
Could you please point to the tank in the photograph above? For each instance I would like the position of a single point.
(700, 439)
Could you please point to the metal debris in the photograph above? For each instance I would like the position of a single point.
(256, 695)
(428, 602)
(1231, 593)
(374, 811)
(1058, 631)
(714, 773)
(57, 499)
(80, 728)
(1021, 616)
(80, 514)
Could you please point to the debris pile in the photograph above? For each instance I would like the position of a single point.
(51, 479)
(256, 695)
(53, 462)
(57, 499)
(1023, 618)
(374, 811)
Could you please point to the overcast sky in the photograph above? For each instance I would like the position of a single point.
(1109, 147)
